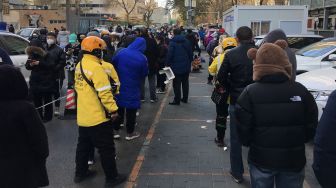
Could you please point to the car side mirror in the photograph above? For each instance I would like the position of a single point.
(332, 57)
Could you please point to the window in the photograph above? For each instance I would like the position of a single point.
(14, 45)
(260, 27)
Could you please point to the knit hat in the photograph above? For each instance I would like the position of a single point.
(270, 59)
(72, 38)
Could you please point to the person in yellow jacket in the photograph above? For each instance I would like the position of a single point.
(95, 108)
(113, 75)
(221, 109)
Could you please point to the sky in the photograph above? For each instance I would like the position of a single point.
(162, 3)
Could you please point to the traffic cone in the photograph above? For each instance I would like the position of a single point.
(70, 100)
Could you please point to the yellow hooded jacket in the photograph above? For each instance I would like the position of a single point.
(112, 73)
(92, 102)
(215, 65)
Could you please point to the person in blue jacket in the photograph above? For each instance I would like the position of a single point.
(325, 145)
(131, 66)
(179, 59)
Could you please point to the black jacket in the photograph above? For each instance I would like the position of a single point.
(163, 51)
(57, 57)
(325, 145)
(236, 71)
(42, 77)
(276, 117)
(23, 138)
(151, 53)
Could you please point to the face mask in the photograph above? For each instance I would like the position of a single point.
(50, 42)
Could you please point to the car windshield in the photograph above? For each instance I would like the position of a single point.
(317, 49)
(25, 32)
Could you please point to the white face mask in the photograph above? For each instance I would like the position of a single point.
(50, 42)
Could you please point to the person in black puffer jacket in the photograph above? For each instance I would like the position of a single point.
(58, 58)
(276, 117)
(42, 78)
(23, 138)
(325, 145)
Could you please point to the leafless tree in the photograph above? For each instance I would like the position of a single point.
(150, 5)
(127, 5)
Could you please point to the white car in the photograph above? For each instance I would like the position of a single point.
(15, 46)
(316, 56)
(320, 83)
(28, 32)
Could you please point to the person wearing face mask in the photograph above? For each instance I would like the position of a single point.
(57, 56)
(72, 52)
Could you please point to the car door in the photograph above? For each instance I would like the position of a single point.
(15, 47)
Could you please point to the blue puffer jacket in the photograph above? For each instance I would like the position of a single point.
(180, 55)
(325, 145)
(131, 66)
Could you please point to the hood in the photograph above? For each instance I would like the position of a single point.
(179, 38)
(319, 80)
(139, 44)
(275, 35)
(13, 85)
(34, 51)
(63, 33)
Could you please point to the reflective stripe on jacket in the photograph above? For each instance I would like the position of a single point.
(112, 73)
(90, 101)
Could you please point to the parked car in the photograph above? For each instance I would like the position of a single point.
(15, 46)
(28, 32)
(295, 42)
(320, 83)
(316, 56)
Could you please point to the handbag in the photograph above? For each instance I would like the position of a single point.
(219, 95)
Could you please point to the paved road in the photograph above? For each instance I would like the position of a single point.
(176, 148)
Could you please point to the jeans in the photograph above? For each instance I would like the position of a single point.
(130, 119)
(236, 160)
(151, 83)
(181, 79)
(101, 136)
(40, 99)
(222, 113)
(264, 178)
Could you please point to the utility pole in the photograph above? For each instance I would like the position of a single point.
(67, 13)
(1, 10)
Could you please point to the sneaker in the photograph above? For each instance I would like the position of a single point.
(132, 136)
(138, 113)
(153, 100)
(122, 125)
(116, 135)
(160, 91)
(236, 179)
(90, 162)
(56, 111)
(143, 100)
(89, 174)
(112, 182)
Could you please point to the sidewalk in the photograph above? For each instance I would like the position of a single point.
(179, 150)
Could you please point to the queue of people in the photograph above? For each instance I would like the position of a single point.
(256, 88)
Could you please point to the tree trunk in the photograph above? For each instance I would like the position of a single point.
(127, 17)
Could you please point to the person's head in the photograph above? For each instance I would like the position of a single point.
(93, 33)
(177, 32)
(13, 85)
(73, 38)
(244, 34)
(104, 32)
(189, 31)
(144, 32)
(228, 43)
(51, 38)
(93, 45)
(160, 39)
(43, 31)
(270, 59)
(275, 35)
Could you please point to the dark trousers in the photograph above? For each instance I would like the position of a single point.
(130, 119)
(181, 80)
(151, 87)
(222, 111)
(161, 78)
(40, 99)
(101, 136)
(58, 86)
(236, 160)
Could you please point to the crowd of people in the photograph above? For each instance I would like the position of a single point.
(269, 112)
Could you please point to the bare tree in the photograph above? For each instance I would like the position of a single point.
(150, 5)
(127, 5)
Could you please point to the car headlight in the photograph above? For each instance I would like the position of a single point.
(320, 95)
